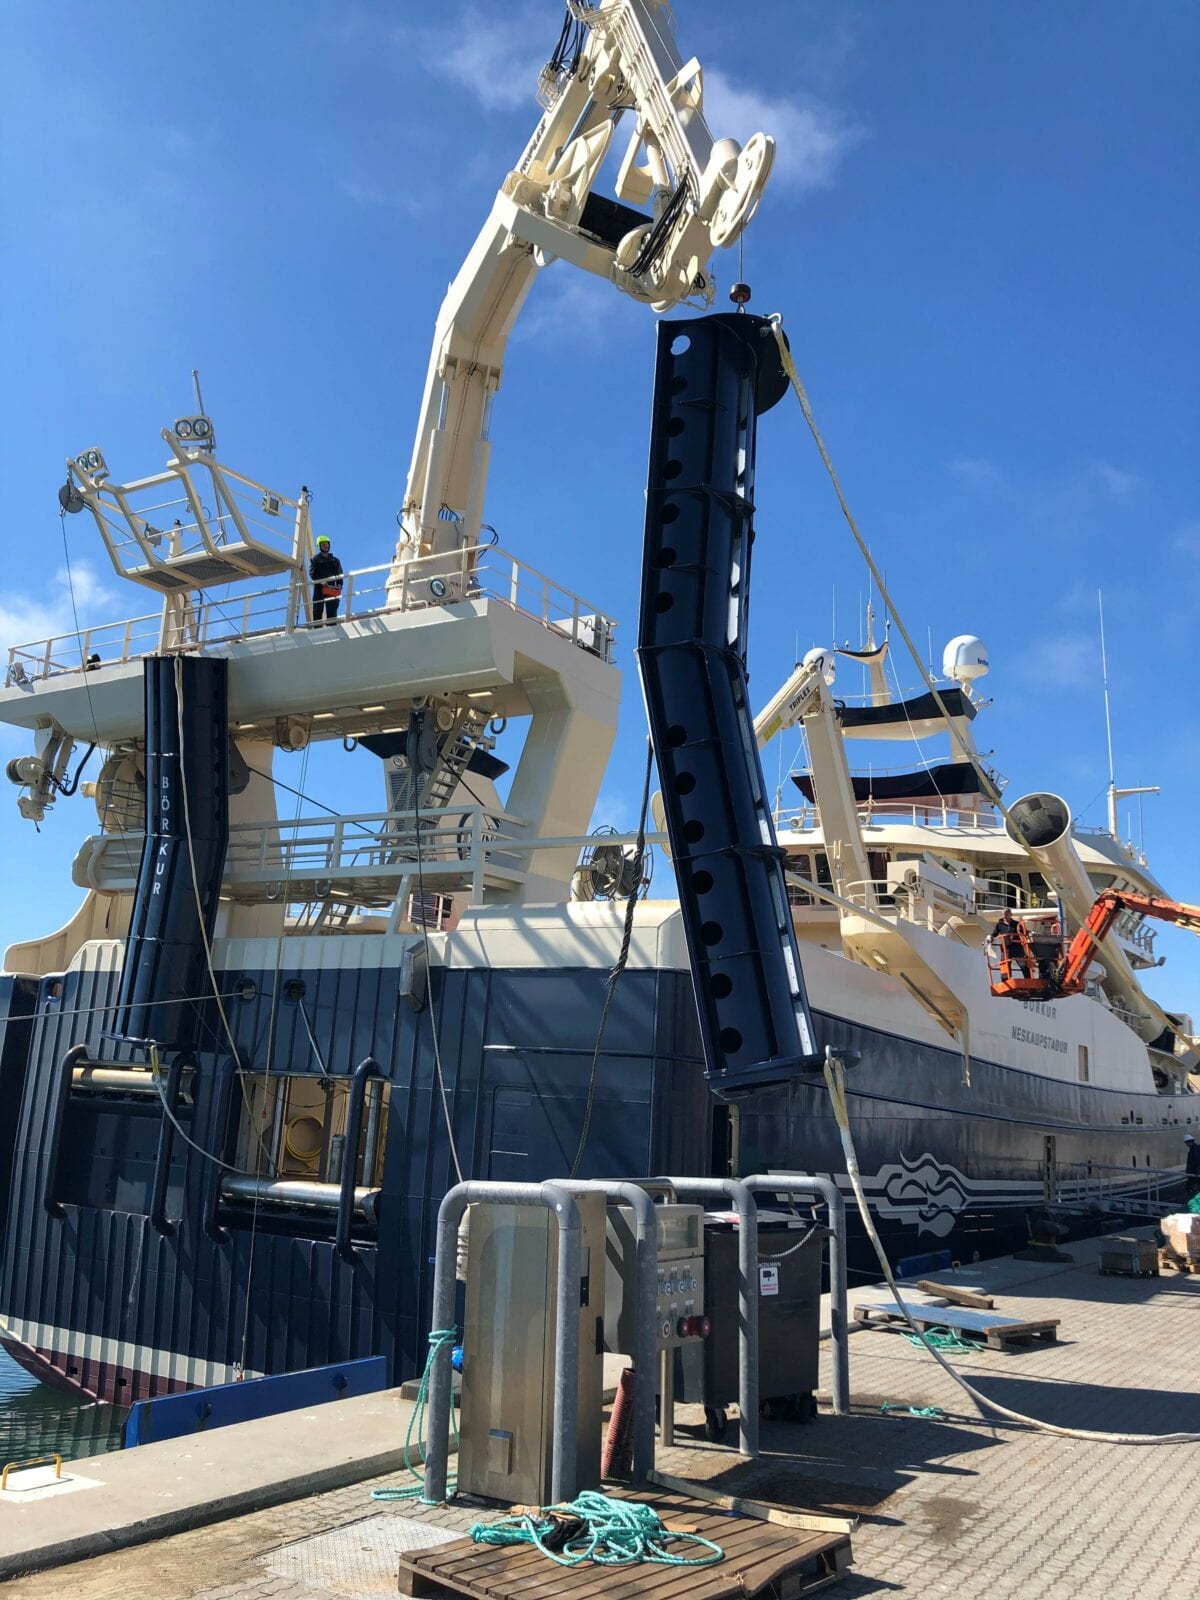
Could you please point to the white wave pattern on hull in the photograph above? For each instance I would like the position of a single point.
(931, 1195)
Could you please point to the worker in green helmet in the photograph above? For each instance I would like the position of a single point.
(325, 570)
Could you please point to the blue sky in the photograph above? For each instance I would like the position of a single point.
(982, 233)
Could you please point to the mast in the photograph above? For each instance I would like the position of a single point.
(1115, 795)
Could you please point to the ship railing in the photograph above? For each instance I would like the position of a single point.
(316, 866)
(195, 508)
(1139, 1188)
(483, 572)
(1098, 830)
(874, 770)
(883, 813)
(926, 904)
(363, 858)
(897, 696)
(1136, 934)
(993, 895)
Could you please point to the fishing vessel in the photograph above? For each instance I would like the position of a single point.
(242, 1076)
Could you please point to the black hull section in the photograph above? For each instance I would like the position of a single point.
(100, 1301)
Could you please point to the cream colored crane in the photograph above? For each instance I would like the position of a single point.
(613, 58)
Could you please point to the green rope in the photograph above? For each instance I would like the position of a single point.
(612, 1533)
(944, 1339)
(911, 1411)
(439, 1338)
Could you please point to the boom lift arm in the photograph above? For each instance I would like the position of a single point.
(1104, 913)
(614, 57)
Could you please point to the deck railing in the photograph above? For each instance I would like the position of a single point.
(370, 859)
(918, 814)
(479, 573)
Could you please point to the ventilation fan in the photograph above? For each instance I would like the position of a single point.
(609, 870)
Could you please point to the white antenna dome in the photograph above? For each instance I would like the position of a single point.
(964, 659)
(825, 659)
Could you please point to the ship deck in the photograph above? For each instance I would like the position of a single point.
(942, 1504)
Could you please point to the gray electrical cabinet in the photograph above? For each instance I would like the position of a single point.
(507, 1416)
(789, 1320)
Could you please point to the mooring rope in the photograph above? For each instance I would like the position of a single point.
(835, 1080)
(610, 1533)
(415, 1434)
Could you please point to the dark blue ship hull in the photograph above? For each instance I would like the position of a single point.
(96, 1298)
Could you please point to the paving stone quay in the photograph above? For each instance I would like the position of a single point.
(950, 1505)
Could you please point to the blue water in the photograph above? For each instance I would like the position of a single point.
(37, 1420)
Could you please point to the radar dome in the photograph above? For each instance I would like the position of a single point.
(965, 658)
(825, 659)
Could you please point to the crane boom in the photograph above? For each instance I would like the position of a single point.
(614, 57)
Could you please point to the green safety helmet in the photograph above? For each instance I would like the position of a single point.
(324, 539)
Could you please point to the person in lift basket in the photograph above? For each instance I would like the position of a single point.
(325, 570)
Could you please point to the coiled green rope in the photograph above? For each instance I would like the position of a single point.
(944, 1339)
(615, 1533)
(438, 1338)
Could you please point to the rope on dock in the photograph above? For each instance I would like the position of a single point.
(438, 1338)
(611, 1533)
(835, 1081)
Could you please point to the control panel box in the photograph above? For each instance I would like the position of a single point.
(680, 1312)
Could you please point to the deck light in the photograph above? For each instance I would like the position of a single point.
(92, 464)
(197, 430)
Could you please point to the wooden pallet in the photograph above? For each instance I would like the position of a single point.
(1176, 1263)
(759, 1559)
(995, 1329)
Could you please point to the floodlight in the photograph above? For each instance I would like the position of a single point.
(198, 430)
(92, 463)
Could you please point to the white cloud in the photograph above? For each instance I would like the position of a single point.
(30, 619)
(575, 307)
(811, 138)
(1120, 484)
(1079, 597)
(497, 56)
(364, 192)
(977, 472)
(1061, 661)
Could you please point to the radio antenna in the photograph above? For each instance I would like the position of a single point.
(1116, 795)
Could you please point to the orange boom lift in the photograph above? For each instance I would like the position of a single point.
(1036, 963)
